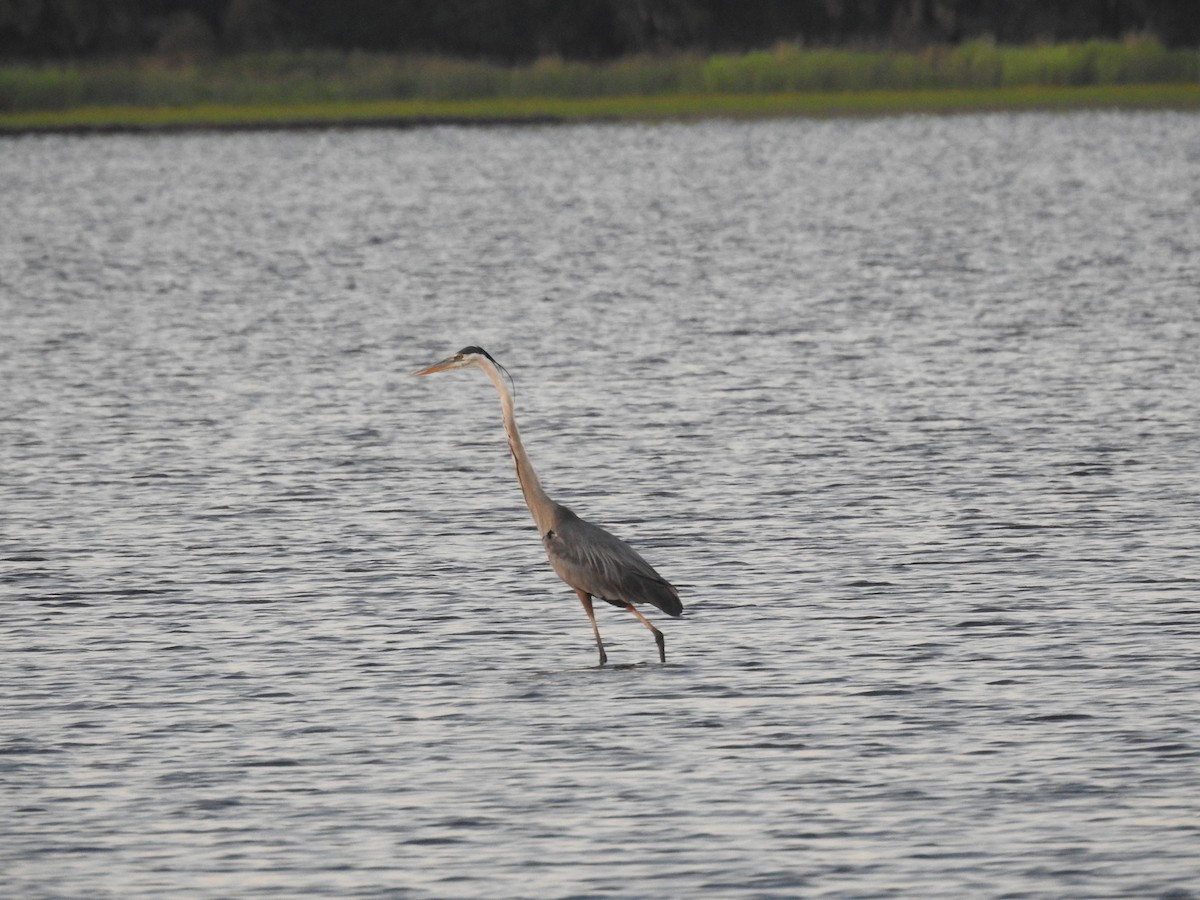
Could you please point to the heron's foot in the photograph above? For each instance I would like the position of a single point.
(603, 656)
(662, 645)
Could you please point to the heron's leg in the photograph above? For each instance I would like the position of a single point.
(586, 599)
(658, 635)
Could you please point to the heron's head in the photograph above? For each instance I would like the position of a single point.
(464, 358)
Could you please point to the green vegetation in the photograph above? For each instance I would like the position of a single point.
(330, 87)
(551, 109)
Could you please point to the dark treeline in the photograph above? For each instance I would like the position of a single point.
(517, 31)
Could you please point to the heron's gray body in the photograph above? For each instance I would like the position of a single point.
(599, 563)
(585, 556)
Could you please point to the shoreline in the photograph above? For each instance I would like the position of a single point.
(541, 111)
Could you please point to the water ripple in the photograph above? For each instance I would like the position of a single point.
(905, 407)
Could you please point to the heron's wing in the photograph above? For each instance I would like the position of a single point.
(590, 559)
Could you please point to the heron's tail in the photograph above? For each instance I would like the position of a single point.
(665, 597)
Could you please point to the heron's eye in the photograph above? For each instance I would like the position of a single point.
(458, 356)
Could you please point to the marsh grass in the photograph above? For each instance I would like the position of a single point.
(565, 109)
(287, 83)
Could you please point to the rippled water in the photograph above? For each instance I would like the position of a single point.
(909, 409)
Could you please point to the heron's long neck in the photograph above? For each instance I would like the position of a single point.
(540, 506)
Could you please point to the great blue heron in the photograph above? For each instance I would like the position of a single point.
(585, 556)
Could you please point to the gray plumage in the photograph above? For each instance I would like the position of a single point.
(591, 560)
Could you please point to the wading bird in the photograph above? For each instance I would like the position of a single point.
(585, 556)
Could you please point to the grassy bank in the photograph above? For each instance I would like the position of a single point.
(323, 87)
(548, 109)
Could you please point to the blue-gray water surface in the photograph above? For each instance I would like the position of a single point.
(908, 409)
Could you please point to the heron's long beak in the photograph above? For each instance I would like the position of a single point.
(447, 363)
